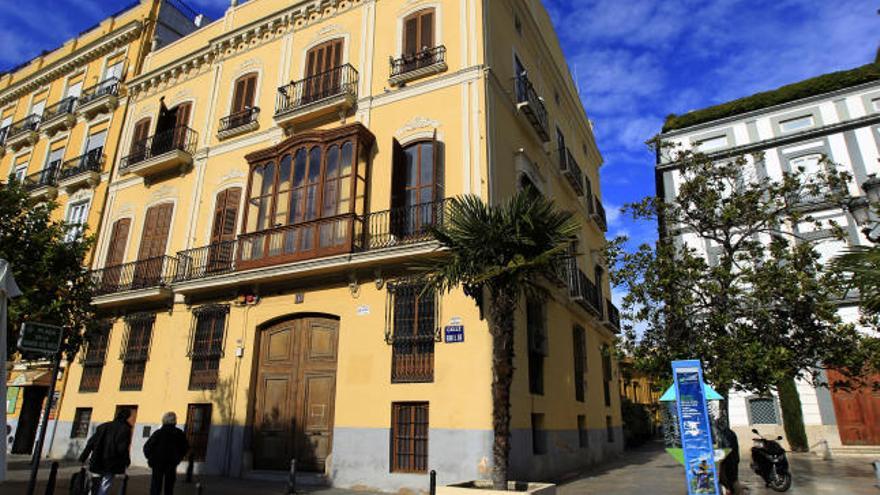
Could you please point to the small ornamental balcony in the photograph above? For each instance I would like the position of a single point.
(425, 63)
(532, 106)
(344, 234)
(598, 215)
(162, 152)
(142, 280)
(59, 117)
(23, 133)
(331, 92)
(612, 316)
(571, 170)
(100, 98)
(581, 289)
(43, 184)
(82, 171)
(239, 123)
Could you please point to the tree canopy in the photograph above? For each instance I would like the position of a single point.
(48, 263)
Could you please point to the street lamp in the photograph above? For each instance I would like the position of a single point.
(860, 208)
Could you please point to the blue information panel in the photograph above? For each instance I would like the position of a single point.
(696, 432)
(454, 334)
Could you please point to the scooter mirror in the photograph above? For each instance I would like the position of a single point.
(755, 431)
(779, 437)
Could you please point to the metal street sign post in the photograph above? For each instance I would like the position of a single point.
(40, 338)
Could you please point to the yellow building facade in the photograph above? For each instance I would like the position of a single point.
(61, 117)
(276, 175)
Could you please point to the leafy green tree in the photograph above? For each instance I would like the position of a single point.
(49, 267)
(498, 254)
(759, 309)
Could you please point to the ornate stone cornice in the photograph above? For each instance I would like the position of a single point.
(82, 56)
(259, 32)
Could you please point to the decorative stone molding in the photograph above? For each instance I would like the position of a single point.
(162, 193)
(74, 61)
(415, 124)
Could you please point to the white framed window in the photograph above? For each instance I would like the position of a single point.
(712, 144)
(20, 173)
(876, 104)
(54, 158)
(114, 70)
(809, 164)
(797, 123)
(77, 214)
(75, 89)
(6, 122)
(96, 141)
(38, 107)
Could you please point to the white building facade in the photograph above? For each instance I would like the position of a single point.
(844, 126)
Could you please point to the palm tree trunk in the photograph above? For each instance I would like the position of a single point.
(501, 309)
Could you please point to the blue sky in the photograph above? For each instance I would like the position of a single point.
(636, 60)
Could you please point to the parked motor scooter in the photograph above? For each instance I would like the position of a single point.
(770, 463)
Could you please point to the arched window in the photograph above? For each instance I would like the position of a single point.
(417, 186)
(244, 93)
(418, 32)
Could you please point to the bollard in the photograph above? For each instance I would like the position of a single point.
(53, 474)
(198, 489)
(291, 480)
(189, 470)
(124, 488)
(877, 471)
(432, 487)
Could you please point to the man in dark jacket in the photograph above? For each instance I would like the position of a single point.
(108, 450)
(165, 449)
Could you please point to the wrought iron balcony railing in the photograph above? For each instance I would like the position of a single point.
(339, 81)
(63, 107)
(571, 170)
(3, 132)
(428, 57)
(48, 177)
(29, 123)
(137, 275)
(239, 119)
(612, 314)
(180, 138)
(581, 289)
(88, 162)
(532, 105)
(107, 87)
(599, 215)
(309, 240)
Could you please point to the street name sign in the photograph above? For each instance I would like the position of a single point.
(40, 338)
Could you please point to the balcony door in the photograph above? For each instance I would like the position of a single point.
(138, 150)
(154, 240)
(171, 128)
(115, 255)
(223, 230)
(417, 186)
(322, 80)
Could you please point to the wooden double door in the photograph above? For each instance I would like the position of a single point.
(295, 394)
(857, 411)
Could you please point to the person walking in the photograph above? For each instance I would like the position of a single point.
(164, 450)
(107, 450)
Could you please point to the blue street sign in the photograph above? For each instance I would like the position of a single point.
(454, 334)
(696, 432)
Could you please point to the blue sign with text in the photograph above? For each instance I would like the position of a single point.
(454, 334)
(696, 431)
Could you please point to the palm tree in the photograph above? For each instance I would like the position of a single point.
(500, 252)
(860, 266)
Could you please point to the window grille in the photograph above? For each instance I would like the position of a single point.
(606, 374)
(413, 316)
(206, 347)
(539, 435)
(583, 432)
(609, 429)
(580, 362)
(537, 336)
(763, 411)
(409, 437)
(136, 349)
(198, 427)
(94, 356)
(81, 419)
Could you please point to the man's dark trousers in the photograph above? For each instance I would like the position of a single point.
(163, 476)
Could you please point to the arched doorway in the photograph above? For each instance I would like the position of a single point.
(295, 393)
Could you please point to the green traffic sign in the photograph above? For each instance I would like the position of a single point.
(39, 337)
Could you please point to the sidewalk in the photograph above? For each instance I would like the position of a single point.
(139, 482)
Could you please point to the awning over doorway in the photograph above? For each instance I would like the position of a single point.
(29, 378)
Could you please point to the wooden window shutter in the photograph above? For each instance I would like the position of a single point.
(438, 173)
(225, 215)
(398, 175)
(155, 236)
(238, 96)
(183, 111)
(245, 89)
(116, 250)
(250, 91)
(427, 31)
(411, 36)
(141, 132)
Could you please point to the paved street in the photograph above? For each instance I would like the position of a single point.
(650, 471)
(645, 471)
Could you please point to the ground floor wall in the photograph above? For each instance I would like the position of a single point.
(459, 435)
